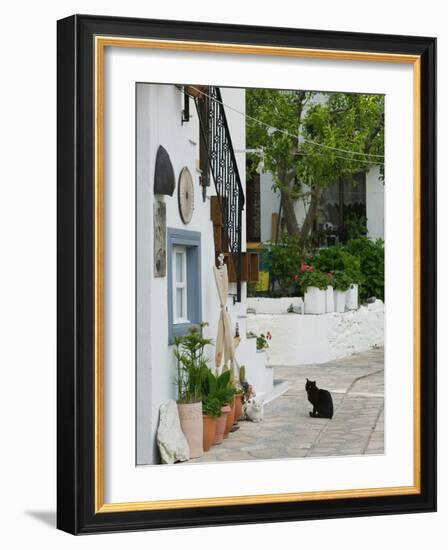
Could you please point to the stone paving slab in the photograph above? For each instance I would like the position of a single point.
(287, 431)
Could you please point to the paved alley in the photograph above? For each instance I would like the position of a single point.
(357, 387)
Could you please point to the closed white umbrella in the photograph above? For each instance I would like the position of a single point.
(224, 339)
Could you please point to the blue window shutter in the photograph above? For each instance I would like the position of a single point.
(192, 241)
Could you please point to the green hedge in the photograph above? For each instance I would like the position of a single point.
(371, 257)
(361, 260)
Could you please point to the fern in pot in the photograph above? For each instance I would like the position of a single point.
(192, 370)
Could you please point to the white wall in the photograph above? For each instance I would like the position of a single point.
(28, 276)
(375, 203)
(316, 339)
(270, 202)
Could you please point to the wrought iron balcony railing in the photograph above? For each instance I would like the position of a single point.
(224, 169)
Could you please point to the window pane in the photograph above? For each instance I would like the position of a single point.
(179, 267)
(180, 303)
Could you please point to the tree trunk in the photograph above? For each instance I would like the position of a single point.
(310, 215)
(289, 214)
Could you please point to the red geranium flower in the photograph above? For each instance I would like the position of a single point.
(310, 268)
(295, 278)
(303, 268)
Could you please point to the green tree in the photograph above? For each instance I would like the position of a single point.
(284, 128)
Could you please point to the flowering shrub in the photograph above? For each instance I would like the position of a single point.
(281, 261)
(307, 277)
(361, 260)
(262, 341)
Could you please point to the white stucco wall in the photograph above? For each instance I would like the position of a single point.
(161, 106)
(270, 202)
(316, 339)
(375, 204)
(258, 374)
(274, 305)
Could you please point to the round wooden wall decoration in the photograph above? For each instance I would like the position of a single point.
(186, 195)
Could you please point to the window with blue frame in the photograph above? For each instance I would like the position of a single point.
(184, 281)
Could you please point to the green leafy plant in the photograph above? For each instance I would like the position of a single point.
(281, 260)
(192, 365)
(251, 289)
(356, 226)
(371, 257)
(263, 341)
(242, 376)
(341, 281)
(211, 406)
(338, 258)
(313, 278)
(218, 387)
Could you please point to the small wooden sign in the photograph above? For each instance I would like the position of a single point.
(159, 239)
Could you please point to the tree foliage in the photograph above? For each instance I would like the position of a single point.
(302, 138)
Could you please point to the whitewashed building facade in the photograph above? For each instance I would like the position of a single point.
(171, 300)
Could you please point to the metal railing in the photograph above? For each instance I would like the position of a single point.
(223, 166)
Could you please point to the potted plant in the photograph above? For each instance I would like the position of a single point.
(353, 272)
(211, 411)
(239, 393)
(192, 369)
(230, 416)
(341, 283)
(263, 341)
(313, 284)
(329, 294)
(338, 258)
(220, 388)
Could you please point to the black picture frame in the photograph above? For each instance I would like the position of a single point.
(76, 512)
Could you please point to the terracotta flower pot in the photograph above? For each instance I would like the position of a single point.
(238, 407)
(190, 416)
(209, 431)
(221, 425)
(230, 418)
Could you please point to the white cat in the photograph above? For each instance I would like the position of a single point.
(254, 410)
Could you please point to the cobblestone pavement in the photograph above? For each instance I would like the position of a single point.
(287, 431)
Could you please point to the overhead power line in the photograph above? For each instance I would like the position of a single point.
(311, 142)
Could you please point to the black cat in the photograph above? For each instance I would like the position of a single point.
(320, 399)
